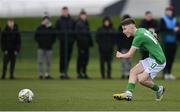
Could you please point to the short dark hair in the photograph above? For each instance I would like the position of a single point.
(46, 17)
(128, 21)
(82, 12)
(169, 8)
(107, 18)
(65, 8)
(148, 12)
(10, 19)
(126, 16)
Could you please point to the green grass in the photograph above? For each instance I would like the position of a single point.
(73, 94)
(78, 95)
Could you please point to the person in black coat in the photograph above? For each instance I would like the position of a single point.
(65, 26)
(45, 38)
(150, 24)
(10, 46)
(105, 38)
(84, 42)
(169, 29)
(0, 38)
(123, 45)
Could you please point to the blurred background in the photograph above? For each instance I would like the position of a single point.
(37, 8)
(29, 17)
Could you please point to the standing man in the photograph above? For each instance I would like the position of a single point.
(10, 45)
(45, 38)
(150, 24)
(124, 44)
(0, 37)
(169, 29)
(84, 42)
(105, 39)
(146, 70)
(65, 27)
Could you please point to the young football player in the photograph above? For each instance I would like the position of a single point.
(146, 70)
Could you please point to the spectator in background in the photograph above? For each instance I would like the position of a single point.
(169, 29)
(150, 24)
(45, 38)
(84, 42)
(105, 38)
(10, 45)
(0, 37)
(65, 26)
(124, 45)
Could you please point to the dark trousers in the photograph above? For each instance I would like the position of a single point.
(66, 49)
(82, 60)
(170, 52)
(105, 58)
(10, 57)
(144, 54)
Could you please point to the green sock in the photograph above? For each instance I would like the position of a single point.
(130, 87)
(155, 87)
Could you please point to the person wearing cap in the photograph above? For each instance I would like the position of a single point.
(65, 26)
(168, 29)
(105, 38)
(150, 24)
(45, 38)
(123, 45)
(84, 42)
(10, 46)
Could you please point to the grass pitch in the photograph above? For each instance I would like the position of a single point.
(73, 94)
(94, 94)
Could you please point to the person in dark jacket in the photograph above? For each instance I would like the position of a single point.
(10, 45)
(150, 24)
(45, 38)
(84, 42)
(105, 38)
(0, 37)
(124, 45)
(169, 29)
(65, 26)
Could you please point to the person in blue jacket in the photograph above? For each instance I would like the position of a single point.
(169, 29)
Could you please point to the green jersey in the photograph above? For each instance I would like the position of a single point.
(144, 39)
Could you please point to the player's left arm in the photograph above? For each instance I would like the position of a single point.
(129, 54)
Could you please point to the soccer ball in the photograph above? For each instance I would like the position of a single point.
(25, 95)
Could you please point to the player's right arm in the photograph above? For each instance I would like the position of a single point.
(129, 54)
(135, 45)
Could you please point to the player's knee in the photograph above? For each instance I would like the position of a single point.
(140, 79)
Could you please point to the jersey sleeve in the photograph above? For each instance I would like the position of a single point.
(137, 41)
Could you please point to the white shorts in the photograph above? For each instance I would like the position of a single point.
(152, 67)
